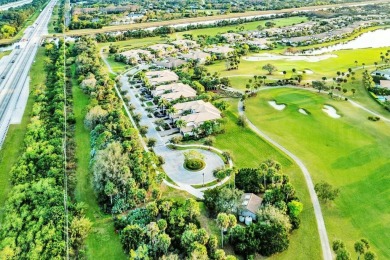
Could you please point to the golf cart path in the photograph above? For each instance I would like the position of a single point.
(326, 251)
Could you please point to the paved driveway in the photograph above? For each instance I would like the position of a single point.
(174, 159)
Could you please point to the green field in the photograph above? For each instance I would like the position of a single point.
(279, 22)
(53, 19)
(14, 144)
(249, 150)
(350, 152)
(103, 242)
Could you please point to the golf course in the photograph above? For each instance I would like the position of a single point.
(349, 152)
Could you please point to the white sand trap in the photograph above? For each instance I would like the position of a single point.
(276, 106)
(308, 71)
(270, 57)
(331, 111)
(303, 111)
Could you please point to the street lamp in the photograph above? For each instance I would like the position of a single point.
(203, 179)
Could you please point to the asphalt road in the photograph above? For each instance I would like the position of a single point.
(14, 4)
(14, 75)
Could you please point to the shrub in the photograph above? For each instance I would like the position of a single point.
(194, 164)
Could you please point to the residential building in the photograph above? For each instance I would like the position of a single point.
(221, 52)
(162, 49)
(260, 43)
(382, 73)
(174, 91)
(170, 63)
(249, 205)
(384, 84)
(159, 77)
(195, 113)
(197, 55)
(137, 55)
(232, 37)
(185, 44)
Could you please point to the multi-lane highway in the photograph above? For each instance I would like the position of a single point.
(14, 4)
(14, 74)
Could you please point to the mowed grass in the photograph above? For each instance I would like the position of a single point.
(351, 153)
(13, 145)
(249, 150)
(345, 59)
(103, 242)
(250, 26)
(53, 19)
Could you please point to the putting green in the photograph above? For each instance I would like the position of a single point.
(350, 152)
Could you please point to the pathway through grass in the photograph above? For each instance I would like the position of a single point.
(350, 152)
(103, 242)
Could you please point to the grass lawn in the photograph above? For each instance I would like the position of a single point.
(14, 142)
(53, 19)
(133, 43)
(279, 22)
(351, 153)
(117, 67)
(249, 150)
(4, 53)
(103, 242)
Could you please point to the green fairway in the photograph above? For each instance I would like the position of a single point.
(103, 242)
(350, 152)
(249, 150)
(13, 145)
(279, 22)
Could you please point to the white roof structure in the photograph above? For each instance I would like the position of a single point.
(219, 49)
(232, 37)
(385, 84)
(161, 76)
(185, 43)
(197, 106)
(162, 47)
(174, 91)
(136, 54)
(196, 55)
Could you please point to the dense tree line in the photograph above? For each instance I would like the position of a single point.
(167, 229)
(34, 226)
(13, 19)
(276, 218)
(123, 172)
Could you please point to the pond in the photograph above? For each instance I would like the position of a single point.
(374, 39)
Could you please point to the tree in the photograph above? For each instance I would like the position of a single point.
(151, 142)
(270, 68)
(181, 123)
(359, 248)
(320, 85)
(326, 192)
(223, 222)
(295, 208)
(272, 215)
(369, 255)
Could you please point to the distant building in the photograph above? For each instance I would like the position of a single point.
(382, 73)
(137, 55)
(185, 44)
(232, 37)
(170, 63)
(249, 205)
(199, 56)
(259, 43)
(162, 49)
(221, 52)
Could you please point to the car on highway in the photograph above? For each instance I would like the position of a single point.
(13, 61)
(3, 77)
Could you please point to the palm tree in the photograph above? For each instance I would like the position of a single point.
(171, 111)
(181, 123)
(356, 63)
(163, 103)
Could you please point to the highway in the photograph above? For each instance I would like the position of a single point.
(14, 4)
(14, 75)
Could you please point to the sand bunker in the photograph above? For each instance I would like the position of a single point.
(308, 71)
(308, 58)
(303, 111)
(276, 106)
(331, 111)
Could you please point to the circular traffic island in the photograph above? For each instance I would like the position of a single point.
(194, 164)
